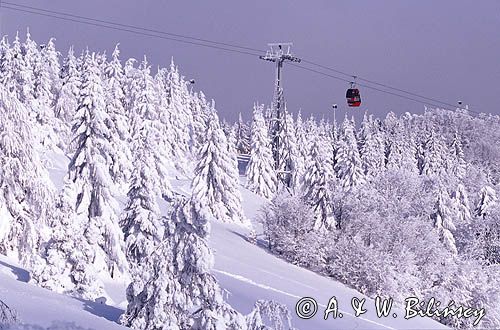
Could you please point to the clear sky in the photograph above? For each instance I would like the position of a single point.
(448, 49)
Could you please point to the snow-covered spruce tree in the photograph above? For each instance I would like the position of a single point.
(141, 221)
(233, 154)
(69, 257)
(20, 70)
(461, 204)
(216, 181)
(401, 150)
(177, 117)
(434, 155)
(372, 148)
(261, 176)
(181, 293)
(130, 83)
(181, 118)
(48, 81)
(242, 136)
(67, 102)
(294, 161)
(88, 180)
(456, 163)
(311, 130)
(31, 55)
(348, 165)
(315, 185)
(26, 192)
(199, 106)
(443, 221)
(118, 122)
(145, 114)
(6, 72)
(288, 153)
(302, 152)
(487, 199)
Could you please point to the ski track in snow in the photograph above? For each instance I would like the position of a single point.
(266, 287)
(272, 274)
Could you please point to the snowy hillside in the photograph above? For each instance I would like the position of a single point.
(245, 270)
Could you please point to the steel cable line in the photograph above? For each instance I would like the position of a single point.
(259, 51)
(378, 84)
(205, 43)
(127, 30)
(365, 86)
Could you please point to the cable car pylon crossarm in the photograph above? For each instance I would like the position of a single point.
(278, 53)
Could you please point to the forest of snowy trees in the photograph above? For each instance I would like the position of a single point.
(124, 131)
(400, 206)
(403, 206)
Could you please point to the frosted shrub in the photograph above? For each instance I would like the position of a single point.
(7, 315)
(274, 314)
(288, 227)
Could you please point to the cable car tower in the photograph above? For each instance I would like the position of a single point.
(278, 53)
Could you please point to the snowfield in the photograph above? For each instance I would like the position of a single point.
(246, 271)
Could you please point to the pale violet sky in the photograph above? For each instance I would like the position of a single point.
(448, 49)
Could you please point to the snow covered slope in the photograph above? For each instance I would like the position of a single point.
(43, 307)
(247, 271)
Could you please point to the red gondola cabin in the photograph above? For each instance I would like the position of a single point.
(353, 97)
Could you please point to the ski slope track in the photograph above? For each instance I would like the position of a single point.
(246, 271)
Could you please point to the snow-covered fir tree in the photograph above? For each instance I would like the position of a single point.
(6, 72)
(141, 220)
(181, 293)
(348, 165)
(118, 122)
(68, 256)
(20, 71)
(261, 176)
(456, 163)
(443, 221)
(67, 102)
(461, 204)
(434, 155)
(289, 158)
(181, 118)
(26, 193)
(487, 199)
(315, 186)
(401, 151)
(216, 181)
(31, 56)
(199, 106)
(48, 82)
(372, 150)
(242, 136)
(302, 152)
(88, 182)
(145, 113)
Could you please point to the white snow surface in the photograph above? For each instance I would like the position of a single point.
(247, 272)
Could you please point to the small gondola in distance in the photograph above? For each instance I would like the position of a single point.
(353, 97)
